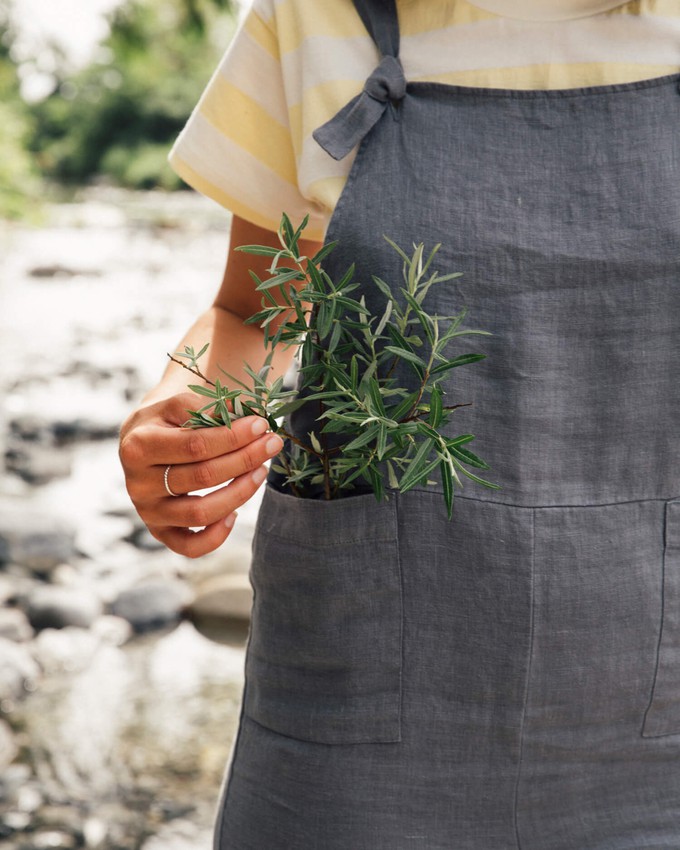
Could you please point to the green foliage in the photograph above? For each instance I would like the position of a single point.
(347, 358)
(19, 182)
(119, 116)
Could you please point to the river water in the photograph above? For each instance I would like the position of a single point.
(117, 741)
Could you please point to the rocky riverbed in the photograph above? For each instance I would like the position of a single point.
(121, 663)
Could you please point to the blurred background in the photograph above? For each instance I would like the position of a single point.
(121, 663)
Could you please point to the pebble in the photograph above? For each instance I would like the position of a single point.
(14, 625)
(66, 650)
(221, 609)
(152, 604)
(16, 821)
(12, 779)
(37, 464)
(179, 835)
(34, 540)
(112, 630)
(56, 607)
(94, 833)
(18, 671)
(9, 749)
(141, 538)
(52, 839)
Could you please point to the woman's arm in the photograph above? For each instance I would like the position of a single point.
(151, 440)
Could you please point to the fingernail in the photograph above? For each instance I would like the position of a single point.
(259, 475)
(260, 426)
(230, 520)
(273, 445)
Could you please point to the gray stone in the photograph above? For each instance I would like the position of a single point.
(94, 833)
(37, 464)
(34, 540)
(114, 631)
(55, 607)
(83, 430)
(142, 539)
(152, 604)
(52, 840)
(221, 609)
(67, 650)
(12, 779)
(16, 821)
(14, 625)
(179, 835)
(9, 749)
(30, 798)
(18, 671)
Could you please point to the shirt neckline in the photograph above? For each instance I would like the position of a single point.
(545, 10)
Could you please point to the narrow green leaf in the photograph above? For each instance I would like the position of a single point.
(468, 457)
(259, 250)
(367, 436)
(461, 360)
(447, 485)
(201, 390)
(403, 407)
(335, 336)
(279, 279)
(385, 317)
(436, 409)
(323, 252)
(414, 471)
(406, 354)
(376, 482)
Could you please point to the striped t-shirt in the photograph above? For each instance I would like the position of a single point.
(294, 63)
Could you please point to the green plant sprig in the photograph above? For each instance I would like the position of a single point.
(346, 362)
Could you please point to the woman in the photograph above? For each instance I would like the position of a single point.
(509, 679)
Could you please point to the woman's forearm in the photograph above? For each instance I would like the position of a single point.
(232, 343)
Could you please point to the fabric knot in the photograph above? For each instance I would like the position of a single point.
(348, 127)
(387, 82)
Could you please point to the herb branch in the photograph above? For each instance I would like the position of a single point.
(369, 429)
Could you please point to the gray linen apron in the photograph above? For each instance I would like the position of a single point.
(509, 680)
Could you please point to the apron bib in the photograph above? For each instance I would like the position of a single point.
(509, 680)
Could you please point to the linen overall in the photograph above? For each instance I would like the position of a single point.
(509, 680)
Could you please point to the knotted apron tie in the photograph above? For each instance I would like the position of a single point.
(348, 127)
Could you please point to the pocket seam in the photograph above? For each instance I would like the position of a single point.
(648, 718)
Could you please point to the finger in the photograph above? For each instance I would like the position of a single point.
(186, 478)
(151, 445)
(200, 511)
(194, 544)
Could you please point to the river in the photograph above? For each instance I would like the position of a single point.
(111, 737)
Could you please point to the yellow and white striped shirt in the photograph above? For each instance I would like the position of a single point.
(294, 63)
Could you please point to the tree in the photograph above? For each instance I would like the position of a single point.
(19, 184)
(119, 116)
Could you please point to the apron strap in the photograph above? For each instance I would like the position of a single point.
(385, 85)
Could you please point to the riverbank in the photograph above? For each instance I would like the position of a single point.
(117, 711)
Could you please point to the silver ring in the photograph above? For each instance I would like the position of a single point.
(165, 480)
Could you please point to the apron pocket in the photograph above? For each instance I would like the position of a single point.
(663, 713)
(324, 656)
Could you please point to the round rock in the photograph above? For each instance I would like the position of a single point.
(221, 609)
(9, 749)
(53, 607)
(18, 670)
(14, 625)
(152, 604)
(34, 540)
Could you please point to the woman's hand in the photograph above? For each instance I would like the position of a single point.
(152, 440)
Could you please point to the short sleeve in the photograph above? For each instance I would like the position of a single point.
(236, 147)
